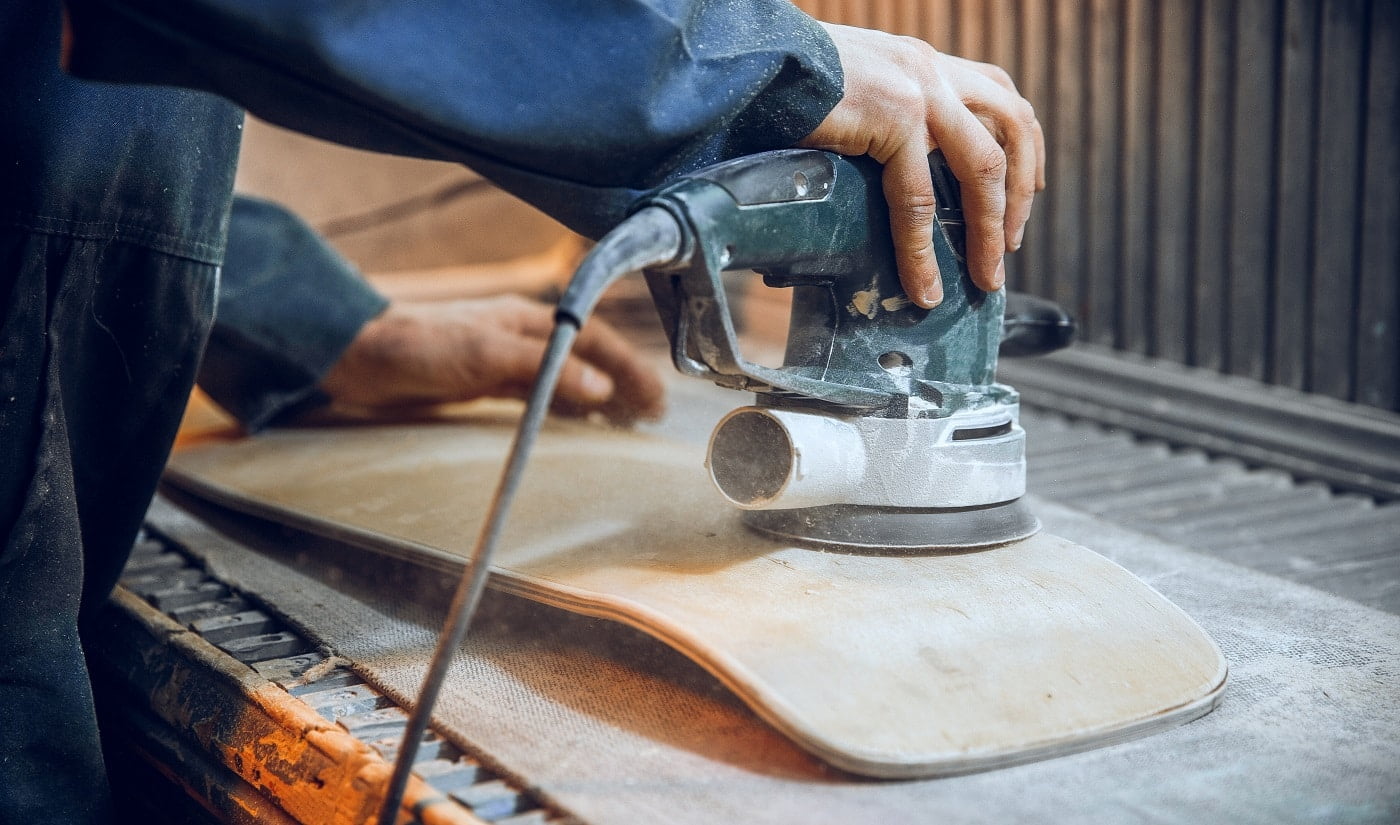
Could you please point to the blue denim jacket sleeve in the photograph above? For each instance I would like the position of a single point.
(574, 105)
(288, 307)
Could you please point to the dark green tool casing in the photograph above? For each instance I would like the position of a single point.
(817, 222)
(857, 347)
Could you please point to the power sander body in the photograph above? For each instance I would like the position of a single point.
(884, 426)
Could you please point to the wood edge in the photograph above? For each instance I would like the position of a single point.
(735, 677)
(721, 668)
(1223, 667)
(872, 765)
(1164, 720)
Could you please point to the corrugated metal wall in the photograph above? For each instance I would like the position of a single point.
(1224, 176)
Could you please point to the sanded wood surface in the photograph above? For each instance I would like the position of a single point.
(886, 665)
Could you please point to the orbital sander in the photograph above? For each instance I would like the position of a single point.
(884, 426)
(882, 432)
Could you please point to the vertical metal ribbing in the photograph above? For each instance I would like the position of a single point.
(1294, 172)
(1338, 159)
(1224, 177)
(1378, 317)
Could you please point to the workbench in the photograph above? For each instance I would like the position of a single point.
(233, 669)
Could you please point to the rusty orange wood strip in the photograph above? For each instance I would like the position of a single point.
(309, 767)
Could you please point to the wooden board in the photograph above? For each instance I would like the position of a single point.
(884, 665)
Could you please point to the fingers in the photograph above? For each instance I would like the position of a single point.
(601, 354)
(1022, 178)
(1039, 136)
(639, 388)
(509, 362)
(582, 385)
(433, 353)
(972, 111)
(980, 164)
(1000, 77)
(913, 211)
(1011, 119)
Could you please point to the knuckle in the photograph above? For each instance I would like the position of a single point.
(914, 47)
(919, 210)
(922, 255)
(990, 162)
(1000, 76)
(905, 97)
(914, 55)
(1024, 113)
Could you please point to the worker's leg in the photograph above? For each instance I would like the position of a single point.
(100, 344)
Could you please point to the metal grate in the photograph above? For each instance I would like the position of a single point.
(1346, 544)
(174, 583)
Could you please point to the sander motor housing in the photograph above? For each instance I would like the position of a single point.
(884, 427)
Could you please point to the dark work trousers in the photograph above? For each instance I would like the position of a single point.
(113, 205)
(95, 374)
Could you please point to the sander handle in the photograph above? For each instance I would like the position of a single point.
(818, 223)
(1034, 326)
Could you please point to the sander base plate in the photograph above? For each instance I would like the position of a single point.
(895, 529)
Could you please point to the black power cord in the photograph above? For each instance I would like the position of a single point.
(651, 237)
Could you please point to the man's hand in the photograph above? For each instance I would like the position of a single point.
(904, 99)
(431, 353)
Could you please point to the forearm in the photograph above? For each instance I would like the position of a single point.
(288, 308)
(574, 107)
